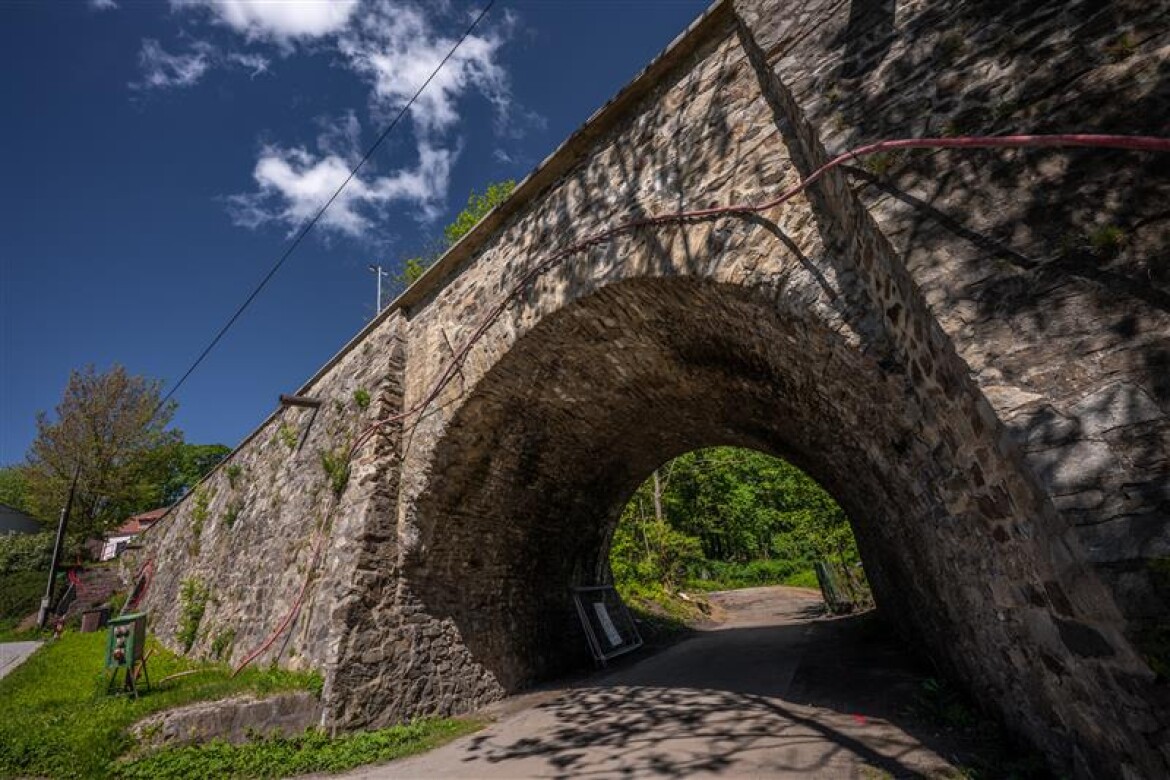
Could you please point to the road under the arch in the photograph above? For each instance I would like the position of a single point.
(774, 689)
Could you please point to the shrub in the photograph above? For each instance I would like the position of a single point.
(31, 552)
(723, 575)
(20, 593)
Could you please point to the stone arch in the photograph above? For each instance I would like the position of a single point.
(533, 468)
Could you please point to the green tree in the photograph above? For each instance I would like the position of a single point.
(189, 463)
(478, 205)
(477, 208)
(107, 424)
(14, 488)
(728, 510)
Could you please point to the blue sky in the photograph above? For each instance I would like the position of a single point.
(159, 154)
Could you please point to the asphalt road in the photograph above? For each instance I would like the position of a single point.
(13, 654)
(772, 691)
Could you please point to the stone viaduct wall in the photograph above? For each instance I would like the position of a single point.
(969, 350)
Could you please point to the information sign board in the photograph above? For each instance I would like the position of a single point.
(608, 626)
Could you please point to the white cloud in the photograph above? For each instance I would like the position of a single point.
(257, 63)
(294, 183)
(161, 69)
(103, 5)
(282, 21)
(395, 47)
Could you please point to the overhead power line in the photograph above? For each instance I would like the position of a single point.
(308, 226)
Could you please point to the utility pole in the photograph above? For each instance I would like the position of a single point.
(47, 600)
(378, 272)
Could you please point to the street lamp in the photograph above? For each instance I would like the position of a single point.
(377, 269)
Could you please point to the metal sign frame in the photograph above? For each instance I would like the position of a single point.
(607, 639)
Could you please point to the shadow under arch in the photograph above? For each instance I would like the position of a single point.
(532, 471)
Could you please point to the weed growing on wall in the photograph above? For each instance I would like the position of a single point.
(234, 471)
(336, 466)
(361, 397)
(199, 514)
(223, 644)
(1108, 240)
(192, 604)
(231, 514)
(288, 434)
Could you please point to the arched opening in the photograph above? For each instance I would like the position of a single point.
(726, 518)
(535, 468)
(528, 477)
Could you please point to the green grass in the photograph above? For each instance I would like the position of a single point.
(285, 756)
(719, 575)
(56, 721)
(9, 632)
(653, 599)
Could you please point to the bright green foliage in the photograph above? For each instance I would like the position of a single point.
(336, 466)
(730, 518)
(289, 435)
(30, 552)
(192, 604)
(111, 424)
(14, 488)
(653, 551)
(477, 208)
(361, 397)
(724, 575)
(117, 602)
(189, 464)
(414, 267)
(287, 756)
(56, 721)
(478, 205)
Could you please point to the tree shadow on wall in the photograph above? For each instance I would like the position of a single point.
(1053, 265)
(996, 68)
(683, 137)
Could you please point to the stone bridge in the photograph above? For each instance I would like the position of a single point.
(969, 349)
